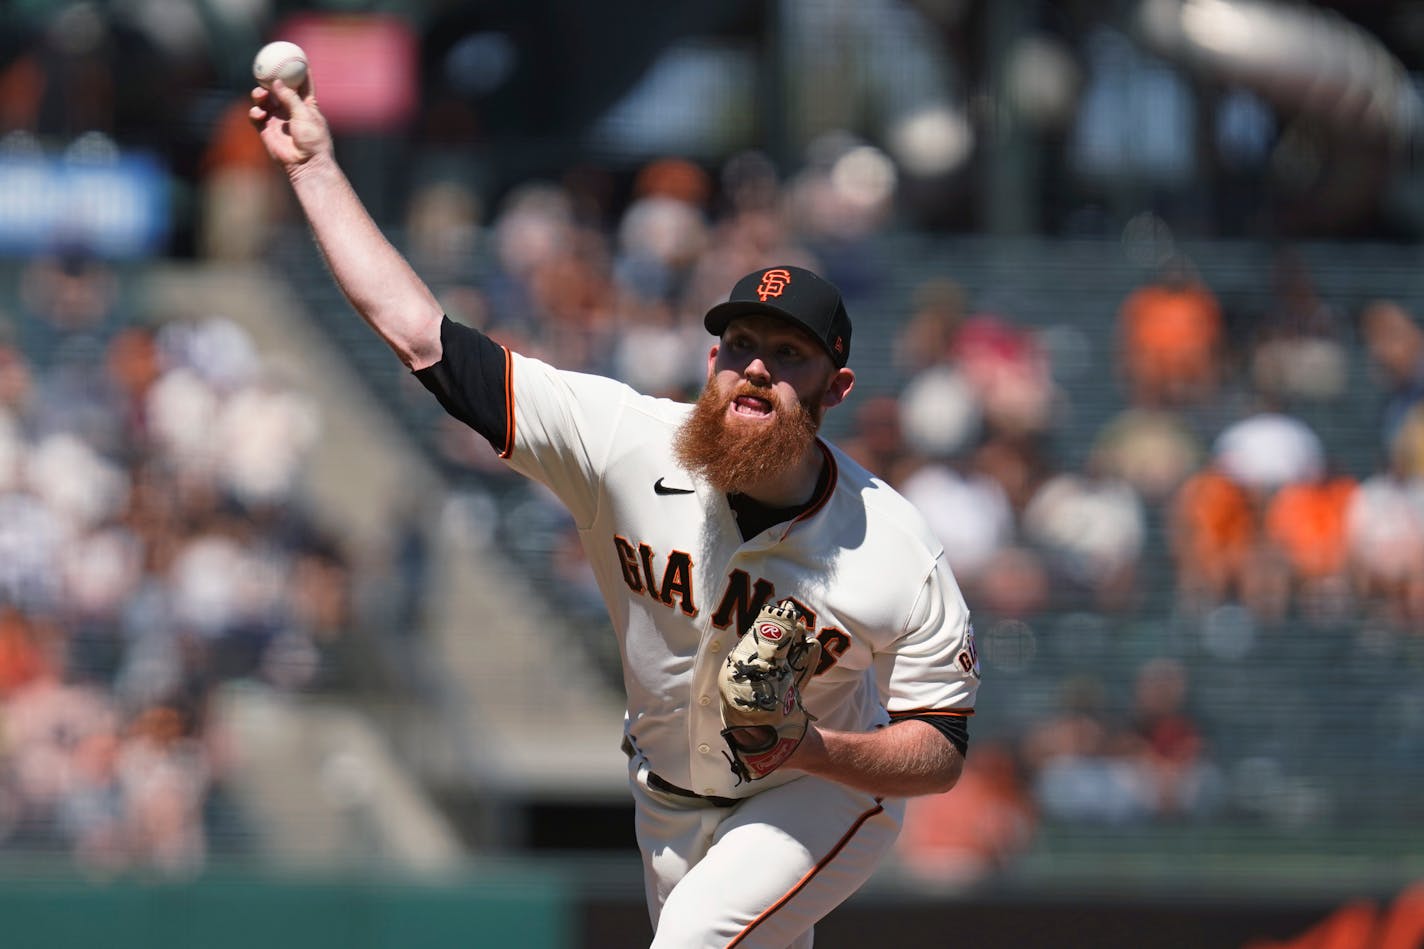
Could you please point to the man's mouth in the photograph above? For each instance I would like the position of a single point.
(751, 406)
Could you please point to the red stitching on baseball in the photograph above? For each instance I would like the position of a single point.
(275, 71)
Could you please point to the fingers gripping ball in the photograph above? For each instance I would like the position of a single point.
(280, 60)
(761, 681)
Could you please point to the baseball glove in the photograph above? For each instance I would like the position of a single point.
(762, 716)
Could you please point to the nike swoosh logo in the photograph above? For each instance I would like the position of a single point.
(660, 488)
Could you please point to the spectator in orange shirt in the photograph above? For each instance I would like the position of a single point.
(23, 655)
(1213, 533)
(1306, 523)
(239, 196)
(1170, 333)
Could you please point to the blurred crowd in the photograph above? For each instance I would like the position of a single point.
(1258, 515)
(151, 548)
(1256, 507)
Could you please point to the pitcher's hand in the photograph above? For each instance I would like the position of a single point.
(292, 128)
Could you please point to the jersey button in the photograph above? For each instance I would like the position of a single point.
(704, 700)
(715, 645)
(705, 748)
(709, 790)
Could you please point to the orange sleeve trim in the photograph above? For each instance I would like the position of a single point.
(508, 448)
(931, 712)
(810, 874)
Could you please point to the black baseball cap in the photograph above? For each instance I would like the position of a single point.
(793, 294)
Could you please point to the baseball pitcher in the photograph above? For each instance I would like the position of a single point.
(797, 656)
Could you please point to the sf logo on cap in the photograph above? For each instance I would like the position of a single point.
(773, 282)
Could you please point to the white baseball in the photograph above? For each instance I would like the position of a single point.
(280, 60)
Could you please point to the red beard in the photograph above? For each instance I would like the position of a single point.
(734, 457)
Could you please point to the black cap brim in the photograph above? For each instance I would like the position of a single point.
(722, 314)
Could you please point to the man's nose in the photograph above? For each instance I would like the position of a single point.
(757, 371)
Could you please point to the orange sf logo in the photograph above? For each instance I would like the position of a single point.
(773, 282)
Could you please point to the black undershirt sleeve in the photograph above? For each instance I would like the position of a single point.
(953, 727)
(471, 381)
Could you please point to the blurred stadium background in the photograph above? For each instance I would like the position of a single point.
(287, 659)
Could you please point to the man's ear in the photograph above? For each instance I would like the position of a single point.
(838, 388)
(712, 360)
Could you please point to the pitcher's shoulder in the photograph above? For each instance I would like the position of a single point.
(885, 509)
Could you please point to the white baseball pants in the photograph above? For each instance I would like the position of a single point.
(760, 874)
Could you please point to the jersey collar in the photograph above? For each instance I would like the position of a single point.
(820, 500)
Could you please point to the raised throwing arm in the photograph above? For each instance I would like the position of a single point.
(379, 283)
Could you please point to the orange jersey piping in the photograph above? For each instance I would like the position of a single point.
(810, 874)
(508, 448)
(824, 496)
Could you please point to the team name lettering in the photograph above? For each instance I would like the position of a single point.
(834, 643)
(637, 566)
(742, 600)
(968, 657)
(742, 597)
(645, 556)
(677, 582)
(628, 561)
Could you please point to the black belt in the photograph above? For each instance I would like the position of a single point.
(656, 782)
(667, 787)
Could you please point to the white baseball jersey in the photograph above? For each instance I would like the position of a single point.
(681, 584)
